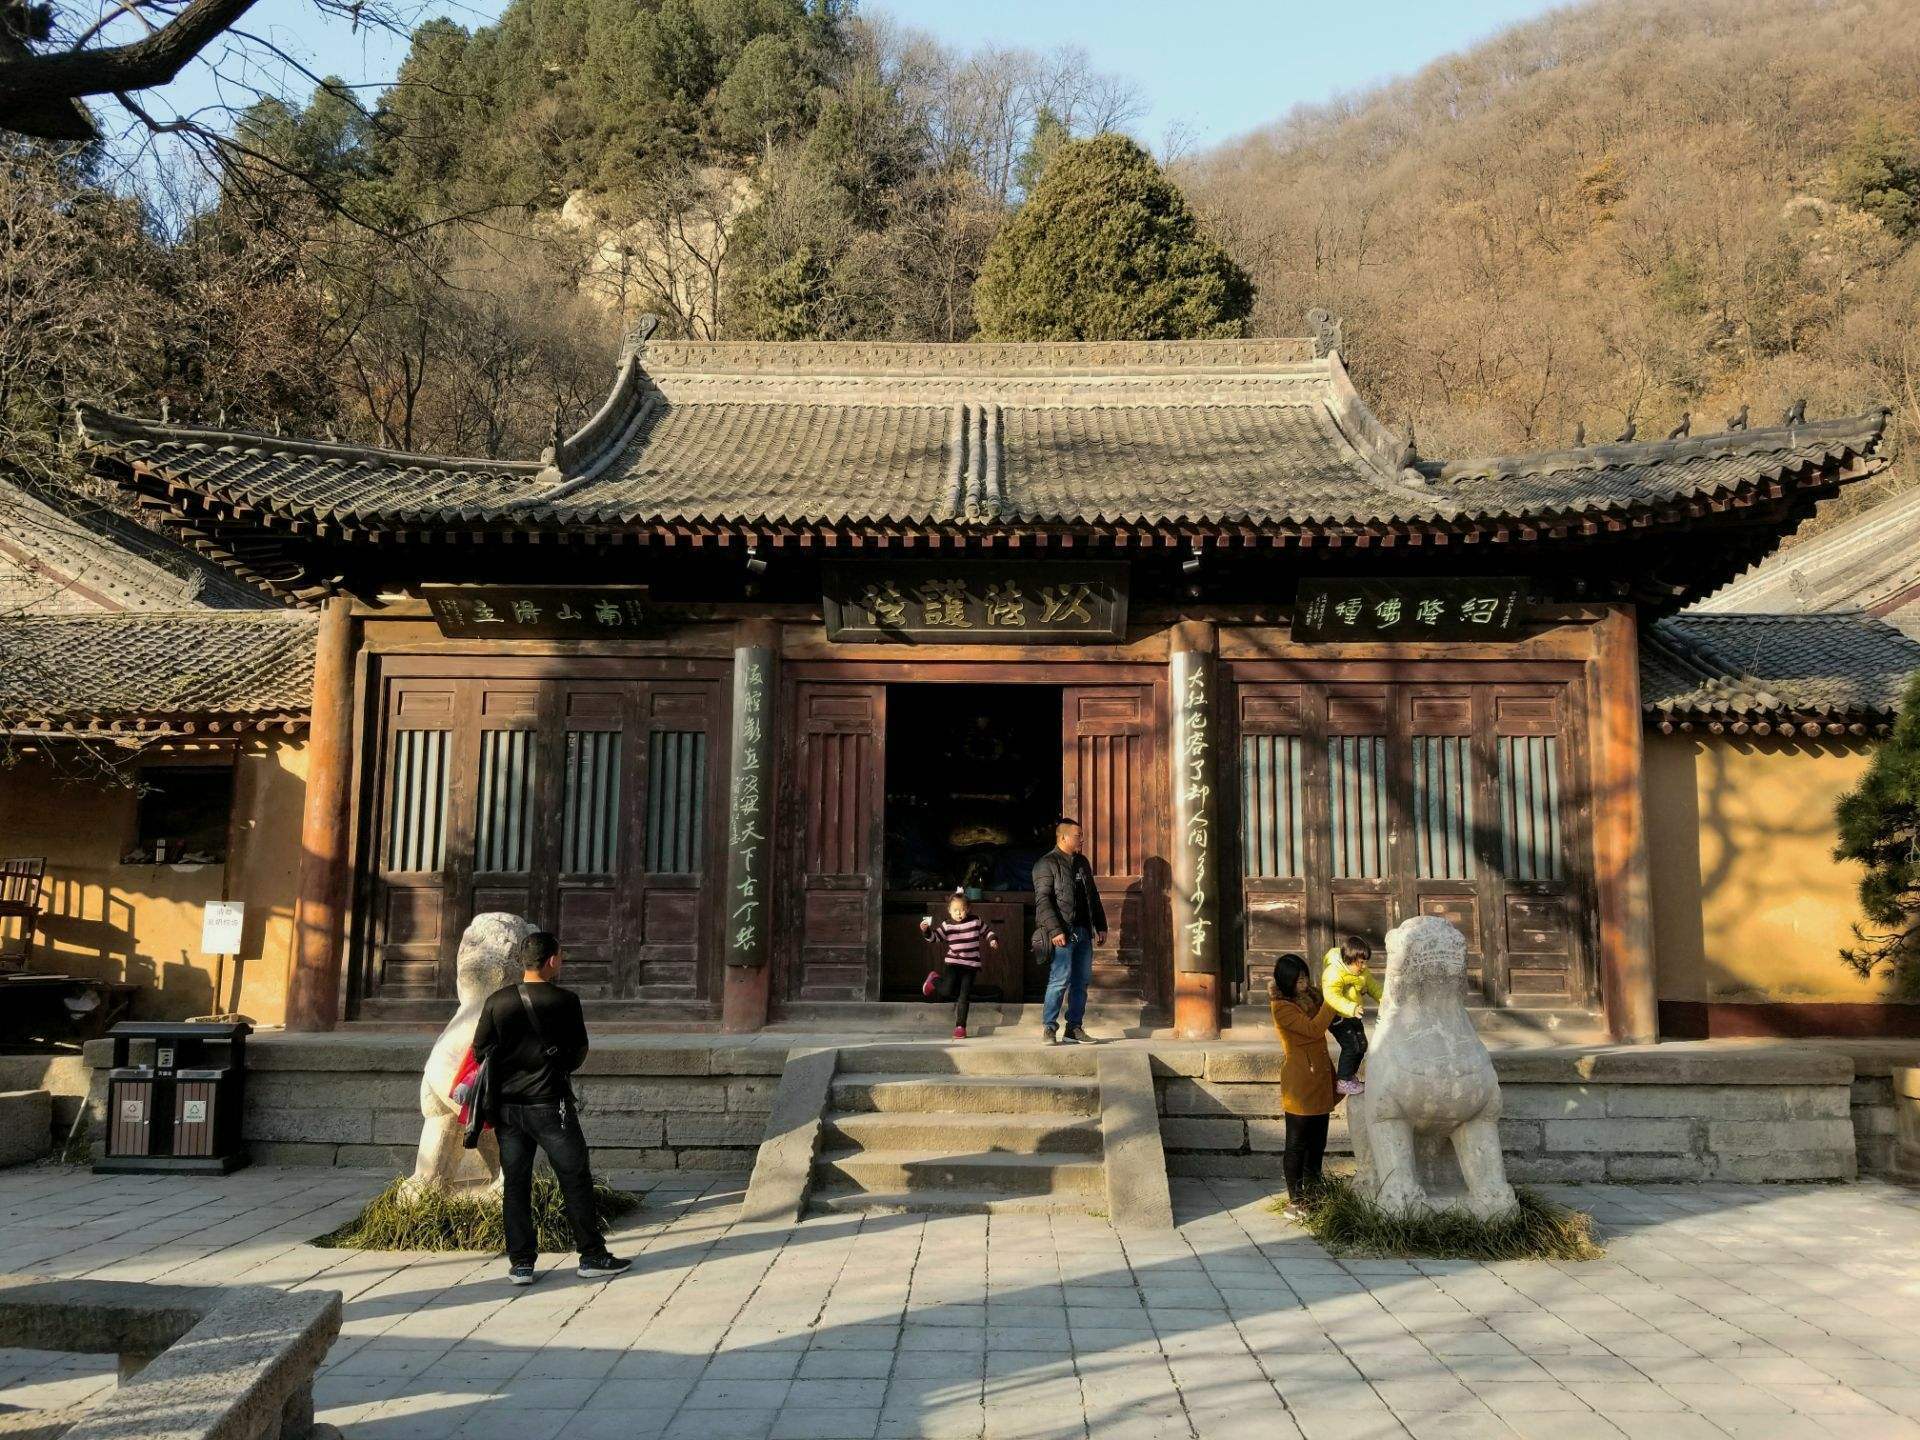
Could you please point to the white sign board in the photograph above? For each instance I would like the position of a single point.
(220, 927)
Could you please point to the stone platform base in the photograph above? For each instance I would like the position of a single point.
(1707, 1110)
(26, 1126)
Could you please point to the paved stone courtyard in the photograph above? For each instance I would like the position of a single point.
(1721, 1311)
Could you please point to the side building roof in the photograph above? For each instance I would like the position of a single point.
(70, 554)
(1839, 673)
(1232, 442)
(191, 672)
(1870, 562)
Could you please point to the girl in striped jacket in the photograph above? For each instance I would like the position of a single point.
(967, 939)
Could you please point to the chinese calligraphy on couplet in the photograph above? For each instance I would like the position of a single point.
(1193, 775)
(747, 810)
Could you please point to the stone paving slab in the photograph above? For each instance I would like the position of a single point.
(1721, 1311)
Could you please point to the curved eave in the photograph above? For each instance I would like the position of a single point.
(1763, 722)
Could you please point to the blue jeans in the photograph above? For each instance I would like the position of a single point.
(1071, 973)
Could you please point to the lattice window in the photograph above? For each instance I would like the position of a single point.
(590, 833)
(1357, 792)
(676, 800)
(503, 836)
(1272, 833)
(417, 802)
(1530, 806)
(1442, 807)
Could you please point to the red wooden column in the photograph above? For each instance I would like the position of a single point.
(1196, 887)
(320, 897)
(747, 904)
(1628, 990)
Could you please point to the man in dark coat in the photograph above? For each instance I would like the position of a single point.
(533, 1036)
(1068, 911)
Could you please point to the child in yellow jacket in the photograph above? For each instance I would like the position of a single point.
(1347, 982)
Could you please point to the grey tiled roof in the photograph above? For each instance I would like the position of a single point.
(1844, 666)
(154, 670)
(1230, 432)
(1870, 562)
(63, 553)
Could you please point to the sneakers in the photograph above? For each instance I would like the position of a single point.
(1350, 1087)
(959, 1032)
(1050, 1035)
(932, 982)
(599, 1267)
(1296, 1212)
(1077, 1036)
(520, 1275)
(1070, 1035)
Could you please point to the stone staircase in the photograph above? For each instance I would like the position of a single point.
(938, 1130)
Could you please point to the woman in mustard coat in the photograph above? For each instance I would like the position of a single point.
(1301, 1016)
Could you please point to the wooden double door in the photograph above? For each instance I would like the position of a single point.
(1112, 736)
(1363, 803)
(588, 805)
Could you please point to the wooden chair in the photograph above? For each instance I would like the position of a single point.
(20, 896)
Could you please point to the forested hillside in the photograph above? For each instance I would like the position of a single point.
(1624, 211)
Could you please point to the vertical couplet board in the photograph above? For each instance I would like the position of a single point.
(839, 786)
(1111, 785)
(1196, 891)
(748, 902)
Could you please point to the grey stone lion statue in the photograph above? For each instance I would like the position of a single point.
(1426, 1132)
(485, 963)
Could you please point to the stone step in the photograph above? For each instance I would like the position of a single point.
(975, 1134)
(956, 1058)
(967, 1094)
(951, 1202)
(882, 1172)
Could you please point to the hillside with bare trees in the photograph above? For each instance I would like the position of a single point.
(1620, 213)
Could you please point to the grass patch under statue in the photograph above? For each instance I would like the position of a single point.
(1350, 1225)
(405, 1216)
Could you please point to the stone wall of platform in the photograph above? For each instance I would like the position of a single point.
(647, 1102)
(1665, 1113)
(1677, 1112)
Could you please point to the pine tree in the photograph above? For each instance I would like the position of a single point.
(1879, 822)
(1106, 248)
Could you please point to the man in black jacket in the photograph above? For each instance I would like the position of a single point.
(533, 1036)
(1067, 908)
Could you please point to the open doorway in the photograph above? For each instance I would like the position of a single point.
(973, 776)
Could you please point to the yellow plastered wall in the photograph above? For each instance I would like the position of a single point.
(1749, 905)
(141, 923)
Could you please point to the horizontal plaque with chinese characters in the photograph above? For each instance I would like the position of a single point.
(535, 612)
(1449, 609)
(976, 603)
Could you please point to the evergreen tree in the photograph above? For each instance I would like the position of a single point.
(1106, 248)
(1878, 171)
(1879, 823)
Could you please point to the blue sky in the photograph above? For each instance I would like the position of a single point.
(1213, 68)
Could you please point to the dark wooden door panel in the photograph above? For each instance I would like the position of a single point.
(584, 805)
(1363, 804)
(841, 738)
(1110, 784)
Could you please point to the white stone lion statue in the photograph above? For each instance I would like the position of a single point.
(487, 961)
(1426, 1131)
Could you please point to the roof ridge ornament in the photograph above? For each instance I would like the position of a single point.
(1329, 334)
(636, 339)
